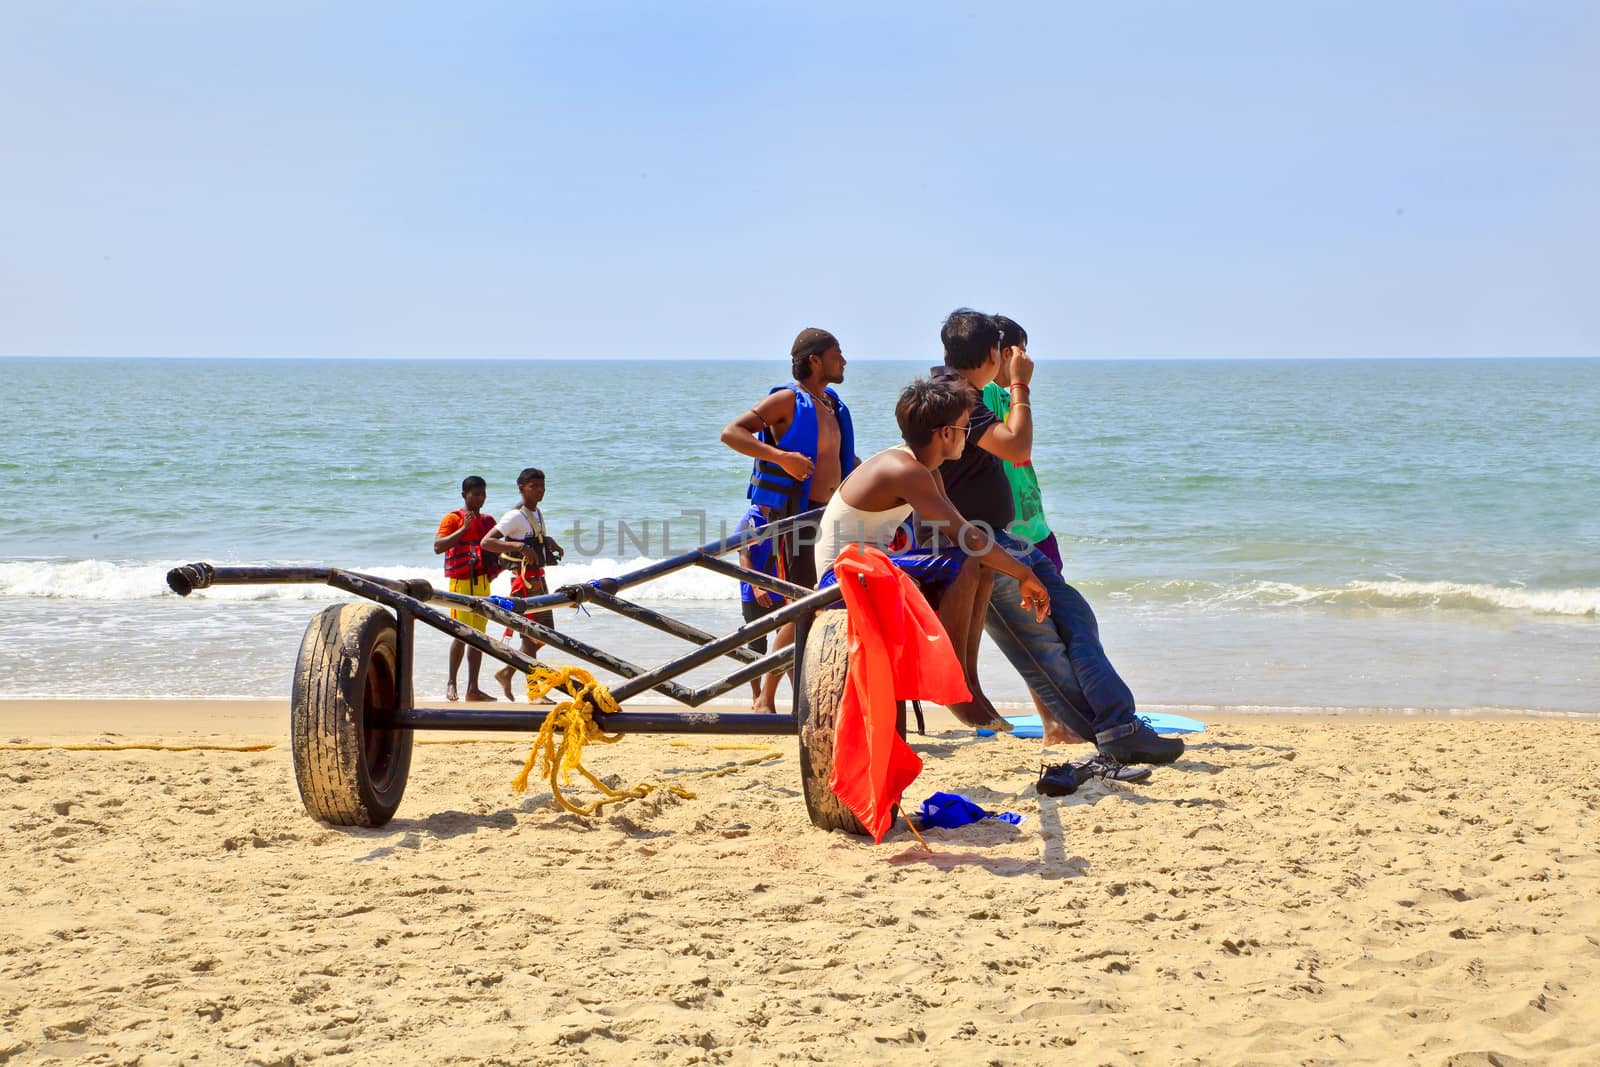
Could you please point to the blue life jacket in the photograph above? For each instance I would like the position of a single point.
(770, 485)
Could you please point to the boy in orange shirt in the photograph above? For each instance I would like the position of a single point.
(460, 541)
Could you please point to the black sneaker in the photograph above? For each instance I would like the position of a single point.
(1144, 745)
(1057, 781)
(1110, 769)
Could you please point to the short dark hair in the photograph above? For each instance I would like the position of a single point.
(530, 474)
(967, 336)
(927, 404)
(1011, 332)
(471, 482)
(811, 341)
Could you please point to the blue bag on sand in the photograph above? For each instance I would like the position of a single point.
(949, 810)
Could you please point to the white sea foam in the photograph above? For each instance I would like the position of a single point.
(1470, 596)
(105, 580)
(1394, 594)
(1478, 597)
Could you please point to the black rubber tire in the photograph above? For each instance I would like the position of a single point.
(824, 667)
(348, 773)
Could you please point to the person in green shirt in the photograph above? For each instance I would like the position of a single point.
(1030, 524)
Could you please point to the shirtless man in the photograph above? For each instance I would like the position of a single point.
(873, 503)
(803, 444)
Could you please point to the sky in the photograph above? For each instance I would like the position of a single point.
(701, 180)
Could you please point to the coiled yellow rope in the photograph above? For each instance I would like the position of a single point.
(574, 717)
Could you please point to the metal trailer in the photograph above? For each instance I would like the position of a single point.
(353, 714)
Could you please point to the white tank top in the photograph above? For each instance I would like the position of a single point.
(844, 525)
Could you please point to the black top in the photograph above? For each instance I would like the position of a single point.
(976, 483)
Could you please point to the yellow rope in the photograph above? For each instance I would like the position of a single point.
(718, 772)
(724, 748)
(913, 828)
(574, 717)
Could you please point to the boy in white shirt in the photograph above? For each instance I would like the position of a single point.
(521, 536)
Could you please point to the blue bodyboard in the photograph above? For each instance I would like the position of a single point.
(1160, 722)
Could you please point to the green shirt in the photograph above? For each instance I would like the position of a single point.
(1030, 523)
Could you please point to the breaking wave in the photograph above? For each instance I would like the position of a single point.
(1392, 594)
(105, 580)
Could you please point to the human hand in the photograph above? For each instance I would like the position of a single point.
(797, 466)
(1021, 364)
(763, 598)
(1035, 597)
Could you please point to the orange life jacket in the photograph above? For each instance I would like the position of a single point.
(898, 651)
(464, 559)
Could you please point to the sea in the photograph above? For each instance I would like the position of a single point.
(1415, 537)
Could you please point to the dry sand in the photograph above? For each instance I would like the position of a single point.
(1293, 891)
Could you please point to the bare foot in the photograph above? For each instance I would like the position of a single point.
(980, 715)
(503, 676)
(980, 698)
(1060, 735)
(450, 692)
(478, 696)
(762, 707)
(979, 707)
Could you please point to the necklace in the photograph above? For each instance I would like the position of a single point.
(822, 398)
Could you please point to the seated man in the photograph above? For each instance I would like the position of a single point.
(871, 504)
(1062, 661)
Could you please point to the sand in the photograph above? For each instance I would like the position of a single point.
(1294, 890)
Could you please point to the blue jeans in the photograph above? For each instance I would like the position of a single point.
(1060, 658)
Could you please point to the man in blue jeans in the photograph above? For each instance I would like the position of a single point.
(1059, 656)
(1062, 661)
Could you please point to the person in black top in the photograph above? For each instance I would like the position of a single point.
(1061, 658)
(976, 482)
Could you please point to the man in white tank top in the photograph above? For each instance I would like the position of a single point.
(873, 501)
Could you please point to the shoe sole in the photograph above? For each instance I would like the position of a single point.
(1123, 772)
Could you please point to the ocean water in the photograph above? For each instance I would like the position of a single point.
(1406, 535)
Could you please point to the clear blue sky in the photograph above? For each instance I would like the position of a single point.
(701, 180)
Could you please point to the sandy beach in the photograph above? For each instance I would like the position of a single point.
(1294, 890)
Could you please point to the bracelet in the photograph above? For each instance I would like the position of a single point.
(1020, 404)
(1020, 385)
